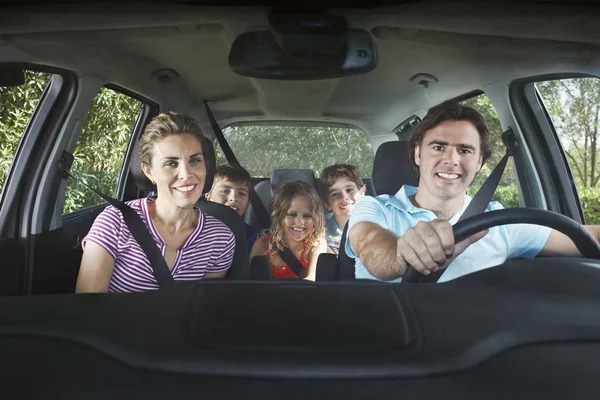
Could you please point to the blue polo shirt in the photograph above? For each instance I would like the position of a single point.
(397, 213)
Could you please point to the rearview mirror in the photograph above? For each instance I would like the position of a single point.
(11, 76)
(302, 47)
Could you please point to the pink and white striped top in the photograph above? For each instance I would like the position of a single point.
(208, 249)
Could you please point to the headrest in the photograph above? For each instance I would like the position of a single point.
(144, 183)
(392, 168)
(282, 176)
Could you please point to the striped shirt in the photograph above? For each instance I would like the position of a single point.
(209, 249)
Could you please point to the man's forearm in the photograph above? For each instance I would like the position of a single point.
(377, 252)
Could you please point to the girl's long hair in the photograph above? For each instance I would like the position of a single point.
(279, 206)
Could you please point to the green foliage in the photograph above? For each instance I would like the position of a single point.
(574, 106)
(17, 105)
(101, 148)
(263, 148)
(590, 202)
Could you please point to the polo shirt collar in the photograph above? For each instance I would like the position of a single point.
(402, 202)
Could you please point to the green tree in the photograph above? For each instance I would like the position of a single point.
(263, 148)
(101, 148)
(17, 105)
(574, 107)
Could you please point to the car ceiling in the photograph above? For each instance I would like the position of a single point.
(466, 46)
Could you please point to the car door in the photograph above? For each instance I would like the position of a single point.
(28, 106)
(100, 160)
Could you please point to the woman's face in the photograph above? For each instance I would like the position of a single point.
(299, 220)
(178, 169)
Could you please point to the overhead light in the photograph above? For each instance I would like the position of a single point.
(424, 80)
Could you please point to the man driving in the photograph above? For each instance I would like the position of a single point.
(414, 227)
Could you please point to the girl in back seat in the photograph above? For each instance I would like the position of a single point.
(297, 224)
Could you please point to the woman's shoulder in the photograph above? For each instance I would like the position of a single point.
(136, 204)
(214, 226)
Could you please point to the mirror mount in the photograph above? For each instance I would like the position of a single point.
(11, 75)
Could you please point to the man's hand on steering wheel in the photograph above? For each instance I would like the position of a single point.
(429, 246)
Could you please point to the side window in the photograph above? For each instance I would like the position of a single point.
(101, 148)
(263, 148)
(506, 193)
(574, 108)
(17, 104)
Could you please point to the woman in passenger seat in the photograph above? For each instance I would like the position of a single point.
(194, 245)
(297, 223)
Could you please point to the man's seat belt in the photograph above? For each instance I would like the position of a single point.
(259, 208)
(134, 223)
(479, 202)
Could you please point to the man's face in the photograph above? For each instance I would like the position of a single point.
(448, 159)
(231, 194)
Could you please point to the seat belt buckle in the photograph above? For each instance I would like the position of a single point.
(64, 164)
(510, 141)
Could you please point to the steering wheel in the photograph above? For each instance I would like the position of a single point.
(585, 242)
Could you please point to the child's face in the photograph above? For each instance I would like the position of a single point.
(299, 220)
(232, 194)
(342, 196)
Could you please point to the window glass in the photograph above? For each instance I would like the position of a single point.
(262, 148)
(574, 108)
(101, 148)
(506, 192)
(17, 104)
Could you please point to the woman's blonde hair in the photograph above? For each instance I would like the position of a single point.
(281, 203)
(164, 125)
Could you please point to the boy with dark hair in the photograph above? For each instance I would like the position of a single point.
(340, 186)
(231, 187)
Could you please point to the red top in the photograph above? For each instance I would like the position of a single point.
(285, 272)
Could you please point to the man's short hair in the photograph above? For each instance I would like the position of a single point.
(234, 173)
(449, 111)
(330, 175)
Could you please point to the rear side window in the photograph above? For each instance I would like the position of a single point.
(101, 148)
(263, 148)
(17, 104)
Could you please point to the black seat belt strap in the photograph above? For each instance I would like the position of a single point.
(255, 201)
(136, 226)
(292, 262)
(484, 195)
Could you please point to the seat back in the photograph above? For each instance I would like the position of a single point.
(260, 268)
(240, 268)
(392, 168)
(327, 268)
(266, 189)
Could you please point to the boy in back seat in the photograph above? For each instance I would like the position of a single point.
(231, 187)
(340, 186)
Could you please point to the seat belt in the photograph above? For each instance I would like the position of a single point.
(255, 201)
(136, 226)
(259, 208)
(484, 195)
(478, 204)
